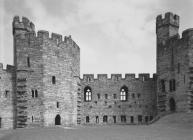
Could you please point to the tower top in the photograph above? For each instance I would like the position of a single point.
(22, 26)
(168, 19)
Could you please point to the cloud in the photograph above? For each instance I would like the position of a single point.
(114, 36)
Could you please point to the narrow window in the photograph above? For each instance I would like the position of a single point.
(174, 84)
(132, 119)
(139, 118)
(106, 96)
(178, 67)
(146, 119)
(32, 119)
(138, 95)
(115, 96)
(57, 104)
(170, 85)
(97, 119)
(151, 118)
(114, 119)
(32, 91)
(133, 95)
(28, 61)
(87, 94)
(123, 118)
(163, 85)
(123, 93)
(6, 93)
(105, 119)
(87, 119)
(0, 121)
(98, 95)
(53, 80)
(36, 93)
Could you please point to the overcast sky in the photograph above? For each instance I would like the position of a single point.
(115, 36)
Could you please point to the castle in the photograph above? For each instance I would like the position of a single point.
(43, 88)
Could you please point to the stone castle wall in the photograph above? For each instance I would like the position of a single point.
(173, 63)
(6, 97)
(38, 59)
(141, 100)
(44, 87)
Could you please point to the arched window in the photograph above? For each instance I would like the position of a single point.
(87, 94)
(123, 93)
(36, 93)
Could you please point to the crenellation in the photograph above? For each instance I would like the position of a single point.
(56, 37)
(116, 77)
(88, 77)
(10, 68)
(25, 21)
(169, 18)
(43, 65)
(43, 34)
(1, 66)
(144, 76)
(129, 76)
(102, 77)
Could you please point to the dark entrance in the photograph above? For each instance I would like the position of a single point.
(172, 105)
(58, 120)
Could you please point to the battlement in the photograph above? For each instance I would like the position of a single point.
(168, 19)
(23, 25)
(117, 77)
(187, 33)
(9, 68)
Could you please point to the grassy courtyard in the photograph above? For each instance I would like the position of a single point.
(177, 126)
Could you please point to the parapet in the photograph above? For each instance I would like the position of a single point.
(169, 19)
(88, 77)
(102, 76)
(187, 33)
(22, 25)
(144, 76)
(10, 68)
(117, 77)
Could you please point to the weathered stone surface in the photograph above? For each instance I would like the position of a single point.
(144, 102)
(44, 88)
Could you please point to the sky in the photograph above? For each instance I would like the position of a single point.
(114, 36)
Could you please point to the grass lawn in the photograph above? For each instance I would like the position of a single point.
(177, 126)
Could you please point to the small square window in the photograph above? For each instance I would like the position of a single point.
(106, 96)
(57, 104)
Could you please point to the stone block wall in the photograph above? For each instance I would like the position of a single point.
(141, 100)
(6, 97)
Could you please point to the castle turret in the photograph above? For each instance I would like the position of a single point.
(166, 27)
(22, 26)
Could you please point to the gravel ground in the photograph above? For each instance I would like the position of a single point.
(172, 127)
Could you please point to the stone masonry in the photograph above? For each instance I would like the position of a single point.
(44, 87)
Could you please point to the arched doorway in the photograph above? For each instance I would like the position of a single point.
(172, 105)
(58, 120)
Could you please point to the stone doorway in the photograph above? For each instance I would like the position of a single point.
(58, 120)
(172, 104)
